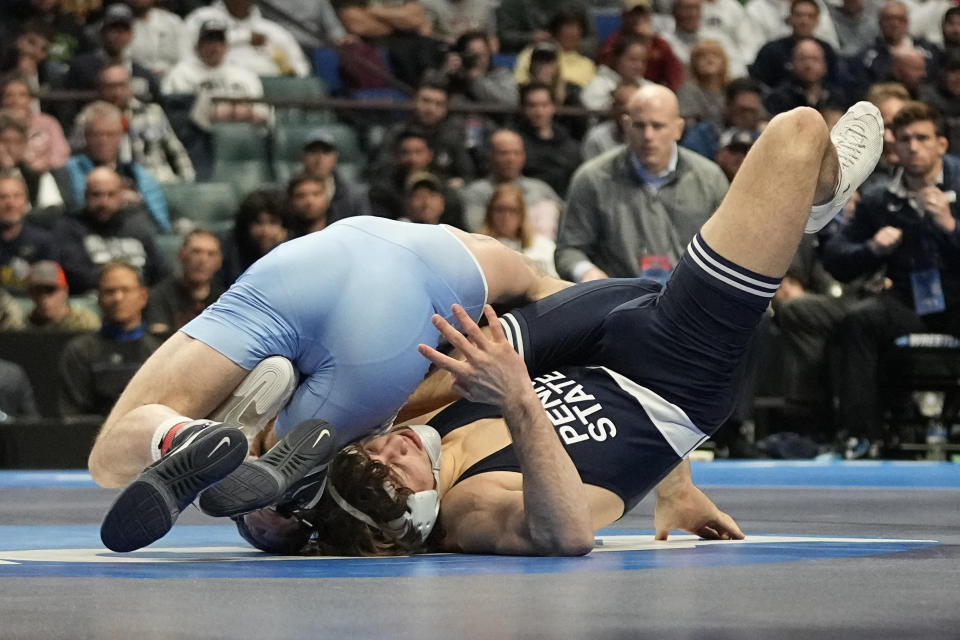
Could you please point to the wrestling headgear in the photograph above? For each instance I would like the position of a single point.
(422, 506)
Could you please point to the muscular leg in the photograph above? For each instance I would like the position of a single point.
(790, 167)
(510, 276)
(183, 377)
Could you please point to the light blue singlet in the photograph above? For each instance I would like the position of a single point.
(348, 306)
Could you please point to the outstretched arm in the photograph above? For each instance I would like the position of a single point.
(551, 515)
(682, 506)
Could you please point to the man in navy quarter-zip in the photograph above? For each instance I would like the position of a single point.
(911, 229)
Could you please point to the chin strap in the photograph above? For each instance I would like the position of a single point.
(422, 506)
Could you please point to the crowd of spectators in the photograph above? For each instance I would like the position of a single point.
(594, 137)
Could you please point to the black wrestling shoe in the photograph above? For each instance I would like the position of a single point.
(265, 481)
(146, 509)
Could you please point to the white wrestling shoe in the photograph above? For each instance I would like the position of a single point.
(858, 138)
(260, 397)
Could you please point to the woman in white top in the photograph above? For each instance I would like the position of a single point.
(506, 220)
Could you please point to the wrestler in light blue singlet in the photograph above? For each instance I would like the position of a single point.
(348, 306)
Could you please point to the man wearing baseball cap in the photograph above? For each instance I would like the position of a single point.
(320, 160)
(116, 33)
(425, 201)
(732, 148)
(255, 43)
(207, 74)
(47, 286)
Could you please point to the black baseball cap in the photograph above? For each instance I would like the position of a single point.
(117, 14)
(213, 29)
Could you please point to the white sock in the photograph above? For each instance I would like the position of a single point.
(161, 433)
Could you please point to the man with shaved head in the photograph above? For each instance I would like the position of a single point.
(104, 230)
(908, 66)
(632, 210)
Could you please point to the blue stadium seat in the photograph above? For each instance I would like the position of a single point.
(605, 22)
(379, 94)
(505, 60)
(326, 64)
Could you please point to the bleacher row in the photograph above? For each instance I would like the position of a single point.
(246, 158)
(326, 60)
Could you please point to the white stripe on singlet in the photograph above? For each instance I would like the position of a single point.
(736, 279)
(511, 329)
(669, 419)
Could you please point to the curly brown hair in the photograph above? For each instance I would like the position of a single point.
(915, 111)
(367, 485)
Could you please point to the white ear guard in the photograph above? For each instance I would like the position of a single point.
(422, 506)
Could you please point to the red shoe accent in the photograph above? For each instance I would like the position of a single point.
(170, 435)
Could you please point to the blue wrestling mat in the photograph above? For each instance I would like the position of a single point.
(795, 473)
(848, 550)
(217, 552)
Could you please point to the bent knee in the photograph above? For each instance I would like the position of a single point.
(99, 469)
(802, 126)
(121, 449)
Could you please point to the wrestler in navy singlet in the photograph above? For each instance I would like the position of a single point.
(664, 375)
(605, 423)
(348, 306)
(683, 341)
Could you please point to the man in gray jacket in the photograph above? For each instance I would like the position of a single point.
(632, 210)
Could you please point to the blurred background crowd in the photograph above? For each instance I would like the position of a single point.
(151, 150)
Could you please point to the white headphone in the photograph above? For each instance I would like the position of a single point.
(422, 506)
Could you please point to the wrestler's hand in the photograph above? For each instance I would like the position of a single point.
(692, 511)
(491, 371)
